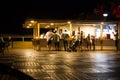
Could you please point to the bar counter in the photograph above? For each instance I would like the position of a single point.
(41, 44)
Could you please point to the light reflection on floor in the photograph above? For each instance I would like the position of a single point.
(63, 65)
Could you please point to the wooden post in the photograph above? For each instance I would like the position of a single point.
(70, 31)
(101, 37)
(38, 30)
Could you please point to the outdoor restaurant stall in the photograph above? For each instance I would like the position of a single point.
(103, 31)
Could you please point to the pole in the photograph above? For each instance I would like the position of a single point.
(38, 35)
(101, 38)
(79, 28)
(70, 30)
(38, 30)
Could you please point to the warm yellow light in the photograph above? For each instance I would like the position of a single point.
(52, 24)
(47, 26)
(68, 22)
(37, 37)
(102, 22)
(30, 24)
(32, 21)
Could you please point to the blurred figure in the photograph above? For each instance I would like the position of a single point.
(1, 40)
(2, 45)
(116, 39)
(56, 39)
(93, 42)
(78, 38)
(88, 39)
(65, 38)
(10, 42)
(42, 36)
(81, 40)
(49, 38)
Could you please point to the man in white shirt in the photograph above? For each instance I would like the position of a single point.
(49, 37)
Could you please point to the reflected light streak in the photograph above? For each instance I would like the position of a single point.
(52, 56)
(67, 56)
(29, 54)
(52, 24)
(99, 57)
(68, 22)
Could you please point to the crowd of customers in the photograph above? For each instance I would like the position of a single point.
(63, 41)
(53, 37)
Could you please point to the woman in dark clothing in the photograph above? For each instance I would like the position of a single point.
(116, 39)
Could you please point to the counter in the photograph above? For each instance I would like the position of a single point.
(41, 44)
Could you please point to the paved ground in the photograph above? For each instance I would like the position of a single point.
(54, 65)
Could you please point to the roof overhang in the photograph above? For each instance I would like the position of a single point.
(31, 23)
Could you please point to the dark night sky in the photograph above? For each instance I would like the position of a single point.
(14, 13)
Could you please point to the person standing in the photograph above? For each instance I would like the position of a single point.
(93, 42)
(2, 44)
(56, 39)
(116, 39)
(65, 38)
(88, 39)
(49, 37)
(81, 40)
(10, 42)
(2, 39)
(77, 37)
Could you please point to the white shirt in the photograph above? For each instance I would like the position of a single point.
(48, 35)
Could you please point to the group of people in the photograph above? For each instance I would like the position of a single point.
(88, 42)
(78, 39)
(53, 36)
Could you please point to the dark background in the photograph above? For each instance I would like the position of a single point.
(14, 13)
